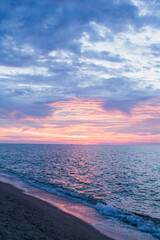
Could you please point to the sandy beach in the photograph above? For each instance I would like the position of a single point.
(24, 217)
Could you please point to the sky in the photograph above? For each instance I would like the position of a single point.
(80, 71)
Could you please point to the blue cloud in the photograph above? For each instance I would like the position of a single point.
(31, 30)
(48, 25)
(9, 104)
(125, 105)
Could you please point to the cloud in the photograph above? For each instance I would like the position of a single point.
(32, 71)
(12, 108)
(54, 51)
(122, 105)
(50, 25)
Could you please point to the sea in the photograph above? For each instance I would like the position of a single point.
(114, 188)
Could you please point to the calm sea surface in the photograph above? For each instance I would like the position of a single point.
(122, 182)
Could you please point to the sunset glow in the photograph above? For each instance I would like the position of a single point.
(85, 121)
(78, 73)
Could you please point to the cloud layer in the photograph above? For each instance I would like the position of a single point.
(59, 51)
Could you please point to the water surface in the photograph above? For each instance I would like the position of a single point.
(120, 182)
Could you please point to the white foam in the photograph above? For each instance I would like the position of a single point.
(113, 226)
(140, 223)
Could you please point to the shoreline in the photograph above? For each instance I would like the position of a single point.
(26, 217)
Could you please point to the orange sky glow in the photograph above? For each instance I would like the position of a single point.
(80, 73)
(85, 121)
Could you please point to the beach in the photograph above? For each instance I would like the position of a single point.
(79, 180)
(29, 218)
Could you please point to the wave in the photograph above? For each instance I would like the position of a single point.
(141, 222)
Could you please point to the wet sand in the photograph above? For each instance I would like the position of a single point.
(23, 217)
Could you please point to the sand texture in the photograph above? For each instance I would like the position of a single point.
(23, 217)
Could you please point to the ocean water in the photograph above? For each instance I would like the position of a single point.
(120, 183)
